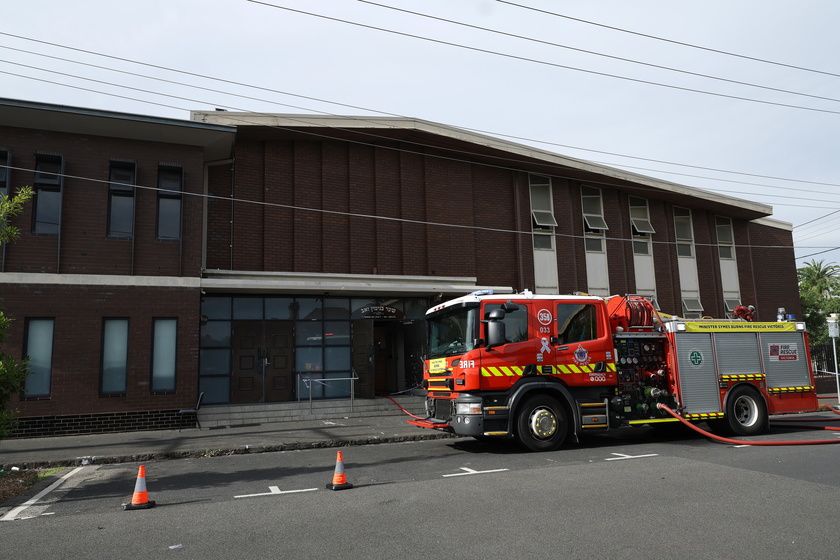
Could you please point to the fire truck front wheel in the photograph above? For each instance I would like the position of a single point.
(746, 414)
(541, 424)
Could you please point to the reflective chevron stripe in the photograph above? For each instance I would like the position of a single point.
(744, 377)
(503, 371)
(704, 416)
(513, 371)
(776, 390)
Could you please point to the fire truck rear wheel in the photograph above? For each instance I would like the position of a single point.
(746, 412)
(542, 424)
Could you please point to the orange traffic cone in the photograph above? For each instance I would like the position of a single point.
(140, 499)
(339, 481)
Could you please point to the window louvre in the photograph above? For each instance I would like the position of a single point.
(640, 216)
(731, 304)
(543, 218)
(593, 209)
(692, 304)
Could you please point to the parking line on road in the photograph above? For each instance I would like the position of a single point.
(275, 490)
(471, 471)
(15, 513)
(623, 456)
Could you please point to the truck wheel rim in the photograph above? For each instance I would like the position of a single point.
(543, 423)
(746, 411)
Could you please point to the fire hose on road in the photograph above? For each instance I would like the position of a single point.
(747, 442)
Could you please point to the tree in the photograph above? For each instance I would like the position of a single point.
(12, 372)
(819, 286)
(819, 278)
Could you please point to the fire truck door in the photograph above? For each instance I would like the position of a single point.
(582, 345)
(505, 363)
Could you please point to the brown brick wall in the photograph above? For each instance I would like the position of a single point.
(78, 313)
(83, 246)
(352, 183)
(771, 267)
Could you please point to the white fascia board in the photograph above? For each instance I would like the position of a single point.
(338, 121)
(774, 223)
(350, 284)
(99, 280)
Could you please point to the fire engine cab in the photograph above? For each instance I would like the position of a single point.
(542, 369)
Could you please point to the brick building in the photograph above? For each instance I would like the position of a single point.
(319, 246)
(103, 284)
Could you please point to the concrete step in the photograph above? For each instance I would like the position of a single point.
(224, 416)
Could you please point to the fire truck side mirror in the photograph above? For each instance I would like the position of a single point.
(495, 328)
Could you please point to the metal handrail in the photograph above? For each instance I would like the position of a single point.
(308, 382)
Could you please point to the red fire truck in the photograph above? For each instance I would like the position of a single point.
(542, 369)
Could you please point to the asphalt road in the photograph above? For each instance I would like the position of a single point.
(637, 495)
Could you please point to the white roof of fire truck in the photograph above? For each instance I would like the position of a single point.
(481, 295)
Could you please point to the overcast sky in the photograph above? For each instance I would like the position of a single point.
(628, 84)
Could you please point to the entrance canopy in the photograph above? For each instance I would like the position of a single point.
(337, 284)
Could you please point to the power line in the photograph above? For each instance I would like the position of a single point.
(383, 218)
(228, 93)
(509, 160)
(366, 109)
(302, 120)
(656, 38)
(543, 62)
(595, 53)
(817, 253)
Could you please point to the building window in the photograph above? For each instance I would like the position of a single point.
(164, 355)
(692, 308)
(5, 162)
(543, 221)
(121, 200)
(46, 211)
(114, 356)
(640, 225)
(39, 351)
(170, 187)
(684, 232)
(594, 224)
(726, 237)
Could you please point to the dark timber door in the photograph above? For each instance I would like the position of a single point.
(262, 362)
(247, 376)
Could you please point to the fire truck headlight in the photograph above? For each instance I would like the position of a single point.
(800, 326)
(468, 408)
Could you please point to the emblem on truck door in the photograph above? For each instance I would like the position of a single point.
(581, 356)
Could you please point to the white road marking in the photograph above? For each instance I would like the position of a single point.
(15, 513)
(274, 490)
(623, 456)
(471, 471)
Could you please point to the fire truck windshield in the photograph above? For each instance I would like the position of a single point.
(453, 332)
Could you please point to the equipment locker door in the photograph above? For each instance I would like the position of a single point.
(698, 379)
(785, 361)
